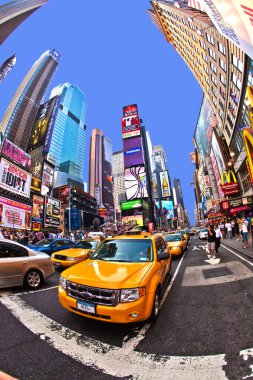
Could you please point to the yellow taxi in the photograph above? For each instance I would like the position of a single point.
(121, 282)
(74, 255)
(177, 243)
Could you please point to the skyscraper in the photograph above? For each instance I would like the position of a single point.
(67, 144)
(20, 115)
(119, 189)
(12, 14)
(100, 172)
(179, 193)
(7, 66)
(159, 158)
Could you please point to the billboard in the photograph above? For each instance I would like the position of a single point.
(38, 209)
(42, 128)
(47, 180)
(14, 179)
(155, 186)
(14, 214)
(52, 212)
(133, 220)
(130, 126)
(16, 154)
(218, 154)
(36, 184)
(133, 155)
(167, 208)
(130, 110)
(136, 182)
(130, 205)
(64, 193)
(165, 184)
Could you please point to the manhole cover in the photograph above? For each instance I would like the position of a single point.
(216, 272)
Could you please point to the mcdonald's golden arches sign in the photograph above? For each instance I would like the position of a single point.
(229, 183)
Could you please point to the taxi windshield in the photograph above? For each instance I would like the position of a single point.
(125, 250)
(87, 244)
(172, 238)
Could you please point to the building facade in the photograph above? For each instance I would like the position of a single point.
(19, 118)
(6, 67)
(119, 189)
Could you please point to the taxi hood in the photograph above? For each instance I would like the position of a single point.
(110, 275)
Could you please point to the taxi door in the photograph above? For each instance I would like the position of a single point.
(164, 265)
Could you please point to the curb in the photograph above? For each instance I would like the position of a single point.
(238, 250)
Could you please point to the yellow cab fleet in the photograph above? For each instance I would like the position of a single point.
(121, 282)
(177, 243)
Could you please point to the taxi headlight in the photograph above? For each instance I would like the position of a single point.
(69, 258)
(53, 255)
(63, 282)
(174, 247)
(130, 295)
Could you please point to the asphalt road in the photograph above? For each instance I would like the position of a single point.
(204, 331)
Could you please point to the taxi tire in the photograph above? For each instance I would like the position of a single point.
(33, 279)
(156, 306)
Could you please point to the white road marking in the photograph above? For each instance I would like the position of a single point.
(196, 249)
(36, 291)
(115, 361)
(212, 261)
(236, 254)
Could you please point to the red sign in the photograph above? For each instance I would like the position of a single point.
(237, 209)
(225, 205)
(130, 110)
(150, 227)
(102, 212)
(230, 188)
(36, 226)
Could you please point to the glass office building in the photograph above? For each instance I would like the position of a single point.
(67, 145)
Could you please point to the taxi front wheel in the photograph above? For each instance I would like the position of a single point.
(156, 306)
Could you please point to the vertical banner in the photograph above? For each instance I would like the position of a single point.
(165, 184)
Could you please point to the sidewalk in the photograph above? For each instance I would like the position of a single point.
(238, 245)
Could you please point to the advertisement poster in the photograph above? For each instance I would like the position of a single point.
(133, 220)
(14, 179)
(130, 126)
(130, 110)
(16, 154)
(14, 214)
(165, 184)
(64, 193)
(218, 154)
(47, 180)
(36, 184)
(216, 173)
(133, 155)
(136, 183)
(52, 212)
(44, 119)
(130, 205)
(155, 186)
(38, 209)
(167, 209)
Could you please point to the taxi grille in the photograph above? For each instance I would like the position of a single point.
(60, 257)
(98, 296)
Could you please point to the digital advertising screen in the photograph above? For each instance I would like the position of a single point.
(14, 179)
(16, 154)
(36, 184)
(133, 220)
(136, 182)
(52, 212)
(14, 214)
(47, 180)
(218, 154)
(130, 205)
(44, 121)
(38, 209)
(165, 184)
(167, 208)
(130, 110)
(133, 154)
(130, 126)
(155, 186)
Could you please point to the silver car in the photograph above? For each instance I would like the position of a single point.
(203, 233)
(20, 265)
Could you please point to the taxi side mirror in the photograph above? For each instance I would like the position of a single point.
(163, 256)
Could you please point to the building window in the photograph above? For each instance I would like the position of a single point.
(220, 112)
(207, 80)
(214, 101)
(223, 79)
(213, 67)
(230, 122)
(221, 105)
(210, 39)
(221, 48)
(232, 109)
(214, 91)
(222, 92)
(204, 57)
(237, 63)
(202, 44)
(212, 54)
(223, 65)
(236, 81)
(194, 38)
(206, 69)
(214, 80)
(234, 97)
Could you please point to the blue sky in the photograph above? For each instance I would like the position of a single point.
(114, 53)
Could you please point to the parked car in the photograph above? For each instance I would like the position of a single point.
(20, 265)
(177, 243)
(121, 282)
(52, 245)
(76, 254)
(203, 233)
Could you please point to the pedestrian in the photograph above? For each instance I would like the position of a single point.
(249, 223)
(218, 237)
(211, 241)
(222, 229)
(245, 232)
(239, 221)
(40, 235)
(228, 226)
(26, 238)
(233, 227)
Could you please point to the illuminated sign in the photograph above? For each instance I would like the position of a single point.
(130, 110)
(52, 212)
(47, 180)
(16, 154)
(14, 214)
(165, 184)
(225, 205)
(36, 184)
(130, 126)
(229, 183)
(136, 183)
(129, 205)
(14, 179)
(133, 155)
(133, 220)
(155, 186)
(38, 208)
(64, 193)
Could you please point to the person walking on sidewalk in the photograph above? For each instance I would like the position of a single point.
(229, 230)
(211, 241)
(245, 232)
(218, 237)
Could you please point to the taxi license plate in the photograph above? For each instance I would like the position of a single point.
(86, 306)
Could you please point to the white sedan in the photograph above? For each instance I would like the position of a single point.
(203, 233)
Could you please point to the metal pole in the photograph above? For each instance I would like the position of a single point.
(69, 209)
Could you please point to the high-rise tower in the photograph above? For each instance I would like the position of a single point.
(20, 115)
(12, 14)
